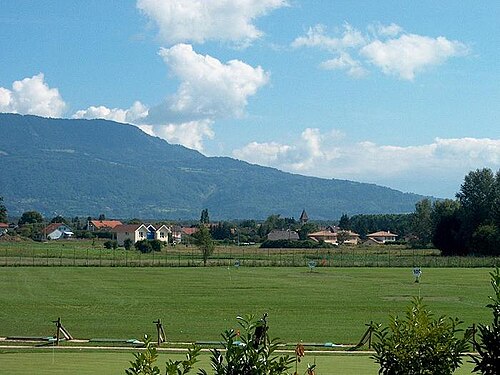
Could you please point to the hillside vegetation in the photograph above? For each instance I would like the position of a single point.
(81, 167)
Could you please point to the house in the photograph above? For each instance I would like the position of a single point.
(4, 227)
(138, 232)
(276, 235)
(325, 235)
(102, 225)
(380, 238)
(158, 232)
(334, 235)
(133, 232)
(57, 231)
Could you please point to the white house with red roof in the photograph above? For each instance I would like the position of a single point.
(57, 231)
(4, 227)
(380, 238)
(331, 235)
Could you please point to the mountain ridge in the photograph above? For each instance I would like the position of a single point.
(80, 167)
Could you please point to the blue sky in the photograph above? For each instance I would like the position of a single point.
(399, 93)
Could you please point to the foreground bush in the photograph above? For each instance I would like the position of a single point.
(488, 359)
(419, 343)
(249, 352)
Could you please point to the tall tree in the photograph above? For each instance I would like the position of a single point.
(447, 227)
(204, 218)
(59, 219)
(422, 222)
(31, 217)
(3, 211)
(477, 198)
(344, 222)
(204, 242)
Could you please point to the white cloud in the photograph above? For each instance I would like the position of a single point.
(391, 30)
(387, 47)
(209, 89)
(32, 96)
(190, 134)
(345, 62)
(410, 168)
(262, 153)
(410, 53)
(132, 115)
(316, 37)
(197, 21)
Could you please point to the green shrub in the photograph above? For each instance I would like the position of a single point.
(144, 361)
(110, 244)
(144, 246)
(250, 352)
(488, 348)
(156, 245)
(127, 244)
(419, 343)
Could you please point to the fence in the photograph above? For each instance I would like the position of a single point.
(92, 253)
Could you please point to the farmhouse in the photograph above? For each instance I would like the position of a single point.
(4, 227)
(334, 236)
(57, 231)
(379, 238)
(138, 232)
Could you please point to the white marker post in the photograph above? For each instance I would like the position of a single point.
(417, 272)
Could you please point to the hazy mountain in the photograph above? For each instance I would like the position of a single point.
(89, 167)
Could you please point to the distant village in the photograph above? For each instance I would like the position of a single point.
(247, 232)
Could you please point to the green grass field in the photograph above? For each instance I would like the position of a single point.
(76, 252)
(90, 363)
(196, 304)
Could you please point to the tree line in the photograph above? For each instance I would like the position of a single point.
(469, 224)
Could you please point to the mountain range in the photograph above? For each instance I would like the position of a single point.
(74, 167)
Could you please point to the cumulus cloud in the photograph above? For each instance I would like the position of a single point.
(197, 21)
(32, 96)
(410, 53)
(387, 47)
(209, 89)
(345, 62)
(267, 153)
(410, 168)
(190, 134)
(132, 115)
(317, 37)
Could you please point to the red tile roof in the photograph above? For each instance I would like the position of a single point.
(382, 234)
(189, 231)
(4, 225)
(99, 224)
(52, 227)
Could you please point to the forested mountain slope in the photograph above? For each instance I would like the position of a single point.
(87, 167)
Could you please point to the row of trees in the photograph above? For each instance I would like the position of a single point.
(468, 225)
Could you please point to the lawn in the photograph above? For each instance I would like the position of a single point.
(90, 362)
(196, 304)
(76, 252)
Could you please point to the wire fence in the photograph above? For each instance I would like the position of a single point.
(93, 254)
